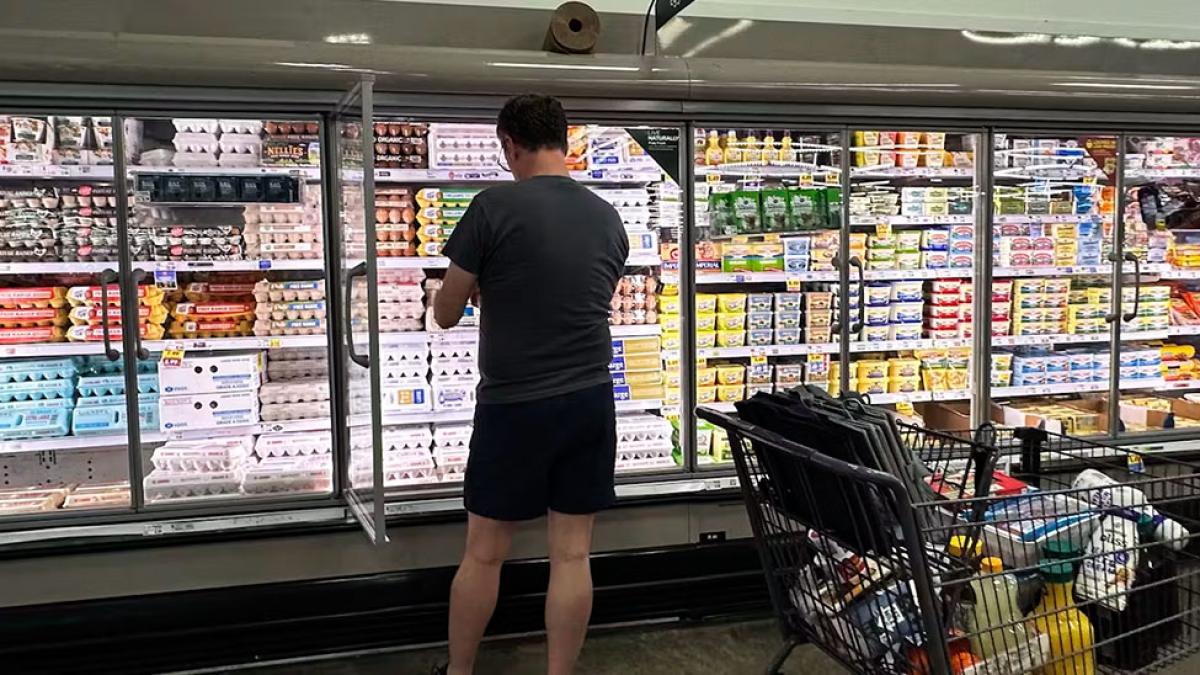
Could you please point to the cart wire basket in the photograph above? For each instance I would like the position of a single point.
(899, 549)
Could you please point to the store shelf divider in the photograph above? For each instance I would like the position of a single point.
(1118, 250)
(981, 363)
(129, 316)
(843, 265)
(687, 289)
(330, 207)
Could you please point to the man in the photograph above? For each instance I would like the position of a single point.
(545, 254)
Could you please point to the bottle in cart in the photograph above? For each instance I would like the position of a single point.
(994, 625)
(1129, 638)
(1068, 629)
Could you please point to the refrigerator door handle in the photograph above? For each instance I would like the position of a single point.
(143, 354)
(359, 270)
(862, 295)
(106, 277)
(1137, 287)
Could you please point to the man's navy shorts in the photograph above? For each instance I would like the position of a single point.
(551, 454)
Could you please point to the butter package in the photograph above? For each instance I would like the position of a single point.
(210, 374)
(636, 362)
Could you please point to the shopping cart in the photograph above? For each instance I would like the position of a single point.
(898, 549)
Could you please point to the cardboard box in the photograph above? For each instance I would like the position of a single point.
(946, 416)
(212, 374)
(208, 411)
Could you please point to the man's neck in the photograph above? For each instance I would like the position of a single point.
(548, 163)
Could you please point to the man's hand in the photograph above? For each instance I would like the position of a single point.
(458, 286)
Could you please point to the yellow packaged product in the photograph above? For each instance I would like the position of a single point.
(730, 393)
(871, 370)
(706, 394)
(671, 396)
(32, 317)
(672, 341)
(93, 315)
(96, 333)
(229, 311)
(673, 379)
(429, 249)
(646, 392)
(668, 288)
(731, 303)
(904, 385)
(440, 215)
(434, 232)
(706, 339)
(935, 379)
(731, 338)
(668, 304)
(630, 362)
(13, 336)
(636, 345)
(731, 374)
(204, 291)
(706, 303)
(706, 322)
(904, 368)
(731, 321)
(91, 295)
(209, 329)
(706, 377)
(436, 196)
(671, 322)
(644, 378)
(877, 386)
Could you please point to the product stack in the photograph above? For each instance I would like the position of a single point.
(404, 145)
(288, 463)
(221, 307)
(637, 369)
(462, 146)
(287, 143)
(210, 392)
(907, 150)
(290, 307)
(407, 457)
(285, 231)
(33, 314)
(100, 406)
(37, 397)
(470, 317)
(639, 215)
(184, 470)
(451, 447)
(44, 223)
(395, 222)
(949, 309)
(400, 306)
(58, 140)
(88, 313)
(455, 375)
(635, 301)
(644, 442)
(404, 374)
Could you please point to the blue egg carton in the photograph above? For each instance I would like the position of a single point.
(34, 423)
(100, 365)
(37, 390)
(20, 406)
(102, 420)
(111, 385)
(113, 399)
(33, 370)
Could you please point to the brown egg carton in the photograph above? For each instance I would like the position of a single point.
(34, 297)
(289, 327)
(290, 311)
(289, 291)
(33, 317)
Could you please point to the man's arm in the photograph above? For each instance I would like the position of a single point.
(450, 301)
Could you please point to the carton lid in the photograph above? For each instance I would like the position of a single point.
(991, 565)
(959, 542)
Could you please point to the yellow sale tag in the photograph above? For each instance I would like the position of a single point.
(816, 358)
(793, 284)
(1089, 180)
(905, 408)
(832, 179)
(172, 358)
(806, 180)
(758, 360)
(701, 363)
(883, 229)
(274, 343)
(713, 177)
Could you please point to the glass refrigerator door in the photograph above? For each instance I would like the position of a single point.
(227, 303)
(427, 172)
(1053, 206)
(912, 230)
(1162, 233)
(63, 443)
(768, 225)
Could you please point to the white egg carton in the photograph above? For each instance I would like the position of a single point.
(452, 474)
(400, 325)
(454, 346)
(161, 485)
(263, 328)
(406, 396)
(281, 311)
(454, 367)
(232, 159)
(296, 354)
(454, 393)
(195, 459)
(274, 213)
(300, 250)
(194, 160)
(197, 143)
(403, 354)
(282, 412)
(240, 127)
(407, 438)
(196, 125)
(624, 197)
(240, 144)
(393, 311)
(295, 444)
(289, 291)
(451, 436)
(404, 371)
(642, 428)
(294, 391)
(288, 474)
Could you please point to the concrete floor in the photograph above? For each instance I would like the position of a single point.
(743, 648)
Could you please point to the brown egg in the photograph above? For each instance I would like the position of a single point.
(651, 316)
(381, 215)
(271, 128)
(380, 128)
(408, 215)
(311, 127)
(394, 129)
(616, 319)
(651, 284)
(393, 215)
(394, 148)
(381, 148)
(410, 233)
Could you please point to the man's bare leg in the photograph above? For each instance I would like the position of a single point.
(569, 598)
(473, 595)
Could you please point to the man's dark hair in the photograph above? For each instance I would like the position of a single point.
(534, 122)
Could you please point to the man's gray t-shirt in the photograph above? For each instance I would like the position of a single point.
(548, 253)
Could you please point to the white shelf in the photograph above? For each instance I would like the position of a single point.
(399, 419)
(768, 350)
(306, 172)
(57, 349)
(497, 175)
(642, 259)
(902, 275)
(920, 396)
(1157, 174)
(65, 443)
(710, 278)
(236, 343)
(897, 345)
(1068, 338)
(1077, 270)
(1179, 384)
(1073, 388)
(1172, 273)
(1025, 219)
(638, 405)
(917, 172)
(1184, 330)
(644, 330)
(963, 219)
(23, 268)
(283, 426)
(97, 172)
(232, 265)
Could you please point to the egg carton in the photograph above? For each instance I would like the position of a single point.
(390, 310)
(85, 315)
(100, 365)
(91, 295)
(238, 144)
(624, 197)
(103, 420)
(297, 354)
(162, 486)
(98, 495)
(294, 391)
(36, 390)
(626, 465)
(211, 329)
(281, 311)
(33, 318)
(285, 251)
(285, 477)
(297, 444)
(213, 291)
(289, 327)
(195, 143)
(27, 297)
(196, 125)
(196, 459)
(418, 436)
(223, 310)
(452, 368)
(452, 435)
(452, 474)
(231, 126)
(112, 399)
(289, 291)
(395, 477)
(400, 325)
(406, 459)
(96, 333)
(32, 370)
(639, 428)
(287, 371)
(195, 160)
(453, 350)
(258, 239)
(404, 371)
(279, 412)
(39, 334)
(400, 354)
(390, 292)
(45, 422)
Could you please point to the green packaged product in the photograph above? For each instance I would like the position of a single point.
(747, 210)
(808, 208)
(776, 210)
(720, 214)
(833, 208)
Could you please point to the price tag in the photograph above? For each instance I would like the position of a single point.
(172, 357)
(1089, 180)
(905, 408)
(832, 179)
(713, 177)
(701, 363)
(274, 343)
(793, 283)
(805, 180)
(883, 229)
(815, 357)
(758, 360)
(165, 276)
(1135, 463)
